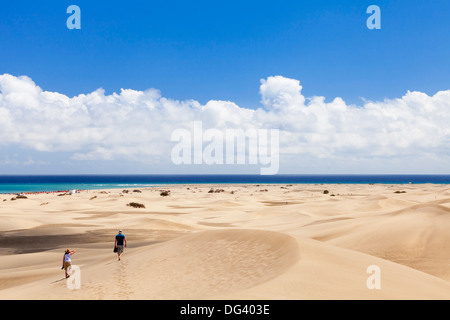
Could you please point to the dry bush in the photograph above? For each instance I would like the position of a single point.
(136, 205)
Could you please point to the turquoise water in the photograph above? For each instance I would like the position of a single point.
(59, 187)
(28, 184)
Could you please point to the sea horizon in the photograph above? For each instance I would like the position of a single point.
(11, 184)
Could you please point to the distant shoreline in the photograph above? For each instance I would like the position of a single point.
(206, 184)
(13, 184)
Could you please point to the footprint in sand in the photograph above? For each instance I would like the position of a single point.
(122, 279)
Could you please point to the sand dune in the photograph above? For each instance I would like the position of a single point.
(417, 237)
(289, 242)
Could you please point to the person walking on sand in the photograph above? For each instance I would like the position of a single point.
(120, 243)
(67, 261)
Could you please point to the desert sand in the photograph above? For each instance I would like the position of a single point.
(241, 242)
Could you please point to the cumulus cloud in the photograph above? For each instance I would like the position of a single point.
(137, 125)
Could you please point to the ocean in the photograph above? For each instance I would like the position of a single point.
(52, 183)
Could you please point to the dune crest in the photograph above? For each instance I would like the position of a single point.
(195, 266)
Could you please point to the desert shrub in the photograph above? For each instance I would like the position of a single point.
(326, 192)
(165, 193)
(136, 205)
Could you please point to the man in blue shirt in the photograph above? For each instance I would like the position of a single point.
(120, 243)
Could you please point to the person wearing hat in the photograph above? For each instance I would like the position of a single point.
(67, 261)
(120, 243)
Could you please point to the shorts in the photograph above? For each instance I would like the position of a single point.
(119, 249)
(67, 265)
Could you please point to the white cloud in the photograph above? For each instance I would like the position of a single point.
(279, 93)
(137, 125)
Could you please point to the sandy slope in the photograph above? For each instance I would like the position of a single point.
(247, 242)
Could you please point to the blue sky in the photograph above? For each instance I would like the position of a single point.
(220, 50)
